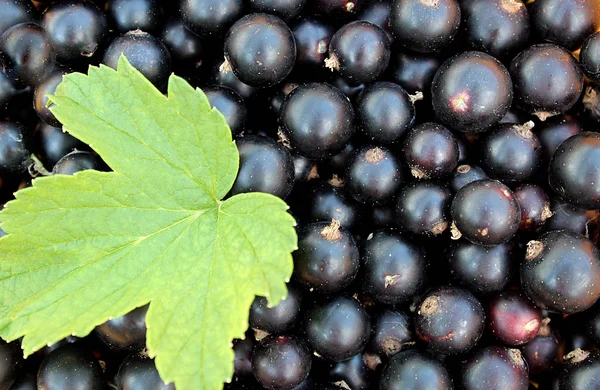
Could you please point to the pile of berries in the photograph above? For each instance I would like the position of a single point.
(442, 158)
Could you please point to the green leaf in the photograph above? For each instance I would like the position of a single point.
(85, 248)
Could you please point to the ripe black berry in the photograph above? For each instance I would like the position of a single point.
(569, 217)
(413, 369)
(231, 105)
(260, 50)
(139, 373)
(413, 71)
(393, 269)
(373, 175)
(378, 13)
(70, 367)
(392, 333)
(425, 26)
(312, 42)
(317, 119)
(450, 320)
(327, 258)
(337, 329)
(561, 272)
(486, 212)
(465, 174)
(242, 363)
(590, 57)
(360, 51)
(285, 9)
(354, 372)
(10, 363)
(210, 17)
(127, 332)
(424, 208)
(582, 371)
(535, 206)
(554, 132)
(14, 147)
(431, 151)
(40, 98)
(76, 161)
(541, 353)
(495, 368)
(574, 172)
(547, 80)
(15, 12)
(328, 202)
(278, 319)
(471, 91)
(182, 43)
(281, 362)
(512, 318)
(126, 15)
(385, 112)
(337, 9)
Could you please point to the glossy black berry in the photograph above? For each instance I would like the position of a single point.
(566, 23)
(14, 147)
(392, 332)
(554, 132)
(27, 50)
(11, 362)
(317, 119)
(231, 105)
(465, 174)
(373, 175)
(378, 13)
(512, 318)
(126, 15)
(15, 12)
(210, 17)
(541, 353)
(285, 9)
(127, 332)
(145, 53)
(260, 50)
(327, 258)
(338, 328)
(278, 319)
(450, 320)
(393, 269)
(547, 80)
(40, 98)
(561, 272)
(281, 362)
(56, 143)
(481, 270)
(413, 369)
(360, 51)
(354, 372)
(265, 166)
(182, 43)
(486, 212)
(75, 28)
(10, 88)
(535, 206)
(328, 202)
(312, 42)
(385, 112)
(336, 9)
(413, 71)
(70, 367)
(76, 161)
(581, 372)
(424, 208)
(139, 373)
(590, 57)
(228, 79)
(497, 27)
(431, 151)
(425, 26)
(242, 362)
(511, 153)
(569, 217)
(495, 368)
(574, 172)
(471, 91)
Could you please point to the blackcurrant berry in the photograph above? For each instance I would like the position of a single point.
(328, 202)
(210, 17)
(278, 319)
(485, 212)
(569, 217)
(590, 57)
(360, 51)
(392, 333)
(228, 79)
(11, 362)
(260, 49)
(231, 105)
(547, 80)
(184, 45)
(378, 13)
(535, 206)
(76, 161)
(512, 318)
(242, 363)
(471, 91)
(431, 151)
(127, 332)
(424, 208)
(561, 272)
(15, 12)
(70, 367)
(40, 98)
(127, 15)
(582, 371)
(336, 9)
(393, 268)
(541, 353)
(281, 362)
(465, 174)
(265, 166)
(554, 132)
(495, 368)
(413, 369)
(312, 42)
(56, 143)
(10, 88)
(285, 9)
(354, 372)
(413, 71)
(139, 373)
(317, 119)
(14, 148)
(425, 26)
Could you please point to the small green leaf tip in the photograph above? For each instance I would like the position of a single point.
(85, 248)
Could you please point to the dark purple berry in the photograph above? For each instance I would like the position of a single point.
(392, 332)
(210, 17)
(231, 105)
(581, 372)
(412, 370)
(431, 151)
(535, 206)
(465, 174)
(495, 368)
(312, 42)
(590, 57)
(281, 362)
(70, 366)
(512, 319)
(278, 319)
(127, 332)
(413, 71)
(424, 208)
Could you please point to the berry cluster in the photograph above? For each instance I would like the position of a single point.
(442, 158)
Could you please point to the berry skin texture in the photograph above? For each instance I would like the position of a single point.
(260, 50)
(317, 119)
(413, 71)
(385, 112)
(70, 367)
(512, 318)
(231, 105)
(75, 28)
(450, 320)
(281, 362)
(495, 368)
(145, 52)
(471, 91)
(560, 272)
(392, 333)
(327, 258)
(424, 208)
(14, 148)
(566, 23)
(574, 172)
(182, 43)
(373, 175)
(511, 153)
(535, 206)
(554, 132)
(338, 328)
(265, 166)
(481, 270)
(465, 174)
(425, 26)
(139, 373)
(278, 319)
(486, 212)
(74, 162)
(547, 80)
(127, 332)
(360, 51)
(590, 57)
(210, 17)
(15, 12)
(431, 151)
(393, 268)
(312, 42)
(413, 369)
(582, 371)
